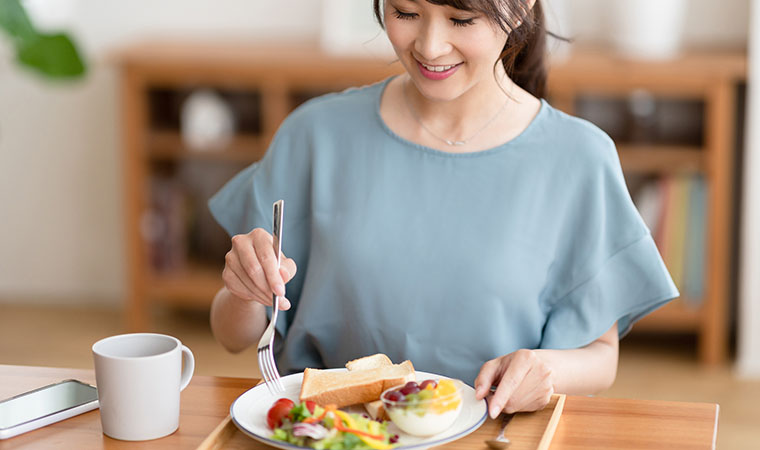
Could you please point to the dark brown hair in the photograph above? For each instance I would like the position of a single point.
(524, 54)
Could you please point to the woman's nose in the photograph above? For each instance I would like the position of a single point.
(432, 41)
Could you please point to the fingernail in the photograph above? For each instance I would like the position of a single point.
(494, 412)
(279, 289)
(284, 304)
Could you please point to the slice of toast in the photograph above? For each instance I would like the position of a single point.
(326, 387)
(369, 362)
(375, 408)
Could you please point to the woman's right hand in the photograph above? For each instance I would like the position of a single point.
(250, 269)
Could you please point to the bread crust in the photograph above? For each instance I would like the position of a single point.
(326, 387)
(369, 362)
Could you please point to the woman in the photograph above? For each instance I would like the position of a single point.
(448, 216)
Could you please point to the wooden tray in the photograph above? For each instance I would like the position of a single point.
(527, 431)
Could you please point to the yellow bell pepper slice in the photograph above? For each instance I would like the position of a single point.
(374, 443)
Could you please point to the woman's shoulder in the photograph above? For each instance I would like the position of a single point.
(576, 137)
(350, 103)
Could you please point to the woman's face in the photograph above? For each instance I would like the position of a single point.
(446, 51)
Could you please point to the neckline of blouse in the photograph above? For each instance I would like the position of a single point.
(478, 153)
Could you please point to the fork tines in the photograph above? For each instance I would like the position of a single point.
(269, 370)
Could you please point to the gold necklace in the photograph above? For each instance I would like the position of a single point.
(450, 141)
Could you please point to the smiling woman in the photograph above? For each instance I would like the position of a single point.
(486, 45)
(449, 216)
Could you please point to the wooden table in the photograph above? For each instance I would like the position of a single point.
(586, 423)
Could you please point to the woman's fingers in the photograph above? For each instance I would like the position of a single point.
(249, 267)
(487, 377)
(533, 393)
(262, 245)
(289, 266)
(517, 367)
(235, 285)
(234, 263)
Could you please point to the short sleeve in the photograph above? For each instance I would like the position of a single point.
(608, 269)
(245, 202)
(629, 285)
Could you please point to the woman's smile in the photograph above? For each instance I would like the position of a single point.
(437, 72)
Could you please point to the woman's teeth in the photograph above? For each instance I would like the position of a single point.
(437, 68)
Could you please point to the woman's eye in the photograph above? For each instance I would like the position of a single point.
(403, 15)
(462, 22)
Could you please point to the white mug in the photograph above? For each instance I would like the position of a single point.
(139, 377)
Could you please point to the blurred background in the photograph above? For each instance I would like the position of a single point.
(104, 176)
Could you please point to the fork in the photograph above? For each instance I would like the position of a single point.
(265, 350)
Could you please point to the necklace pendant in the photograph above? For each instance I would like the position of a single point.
(455, 142)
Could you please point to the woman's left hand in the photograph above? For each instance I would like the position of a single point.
(524, 382)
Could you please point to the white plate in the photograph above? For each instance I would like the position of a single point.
(249, 412)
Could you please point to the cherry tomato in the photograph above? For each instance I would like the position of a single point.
(279, 410)
(310, 406)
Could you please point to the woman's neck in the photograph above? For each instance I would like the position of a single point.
(495, 116)
(465, 115)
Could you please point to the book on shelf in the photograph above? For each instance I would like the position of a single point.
(163, 225)
(673, 208)
(696, 238)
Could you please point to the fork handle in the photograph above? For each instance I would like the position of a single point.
(277, 215)
(504, 422)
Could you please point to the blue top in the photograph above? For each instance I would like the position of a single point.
(446, 259)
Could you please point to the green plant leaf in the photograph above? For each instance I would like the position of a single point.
(14, 21)
(53, 55)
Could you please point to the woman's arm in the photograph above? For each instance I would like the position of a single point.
(587, 370)
(236, 323)
(527, 379)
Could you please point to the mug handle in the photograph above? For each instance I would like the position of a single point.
(189, 368)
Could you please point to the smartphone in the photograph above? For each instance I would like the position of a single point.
(46, 405)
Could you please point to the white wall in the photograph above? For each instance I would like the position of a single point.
(707, 23)
(748, 354)
(60, 178)
(59, 192)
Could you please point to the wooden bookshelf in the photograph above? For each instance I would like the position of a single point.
(708, 77)
(281, 77)
(167, 145)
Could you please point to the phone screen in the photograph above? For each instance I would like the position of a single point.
(45, 401)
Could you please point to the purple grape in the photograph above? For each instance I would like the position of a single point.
(426, 383)
(410, 388)
(394, 396)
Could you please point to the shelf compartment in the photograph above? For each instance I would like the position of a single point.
(661, 159)
(165, 105)
(169, 146)
(193, 286)
(676, 317)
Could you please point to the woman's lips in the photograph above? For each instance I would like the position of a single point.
(436, 75)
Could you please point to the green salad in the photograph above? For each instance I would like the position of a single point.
(326, 428)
